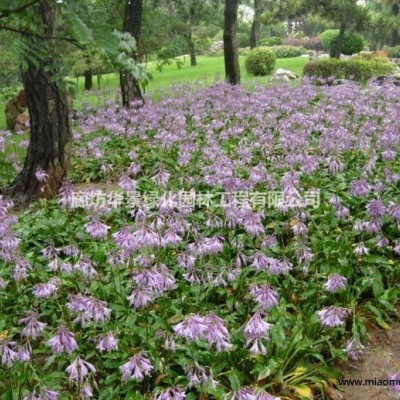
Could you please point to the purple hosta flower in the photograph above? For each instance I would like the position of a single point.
(169, 343)
(255, 330)
(252, 224)
(192, 327)
(134, 169)
(278, 267)
(46, 290)
(42, 394)
(79, 370)
(185, 260)
(216, 332)
(127, 184)
(396, 249)
(394, 382)
(33, 328)
(41, 175)
(107, 342)
(64, 340)
(244, 393)
(86, 390)
(9, 242)
(66, 194)
(342, 212)
(261, 395)
(299, 228)
(224, 276)
(50, 252)
(20, 270)
(8, 353)
(205, 245)
(86, 267)
(88, 309)
(335, 282)
(171, 237)
(161, 177)
(361, 249)
(360, 188)
(332, 316)
(376, 208)
(158, 279)
(355, 350)
(24, 352)
(140, 297)
(126, 241)
(96, 229)
(260, 260)
(198, 376)
(269, 241)
(173, 393)
(137, 367)
(265, 296)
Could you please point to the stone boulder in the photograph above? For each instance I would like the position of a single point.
(283, 75)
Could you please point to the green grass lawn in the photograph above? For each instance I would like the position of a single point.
(208, 70)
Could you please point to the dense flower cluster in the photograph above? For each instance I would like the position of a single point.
(172, 299)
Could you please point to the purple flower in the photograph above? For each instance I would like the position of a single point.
(33, 328)
(394, 382)
(173, 393)
(191, 328)
(244, 393)
(359, 188)
(41, 175)
(265, 296)
(376, 208)
(355, 350)
(127, 184)
(137, 367)
(198, 376)
(361, 249)
(64, 340)
(42, 394)
(24, 352)
(335, 282)
(79, 369)
(332, 316)
(96, 229)
(216, 332)
(255, 330)
(88, 309)
(46, 290)
(8, 353)
(107, 342)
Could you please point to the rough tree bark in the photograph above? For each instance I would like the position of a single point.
(255, 27)
(50, 129)
(339, 43)
(130, 88)
(192, 49)
(394, 35)
(231, 55)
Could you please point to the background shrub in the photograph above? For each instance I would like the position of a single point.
(288, 51)
(310, 44)
(352, 43)
(271, 41)
(326, 38)
(393, 52)
(358, 70)
(243, 39)
(260, 61)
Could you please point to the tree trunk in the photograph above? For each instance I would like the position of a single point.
(88, 79)
(49, 114)
(394, 35)
(255, 27)
(130, 88)
(339, 43)
(192, 49)
(231, 55)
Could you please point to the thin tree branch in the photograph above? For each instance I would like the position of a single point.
(18, 9)
(24, 32)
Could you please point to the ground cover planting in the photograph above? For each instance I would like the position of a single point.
(243, 243)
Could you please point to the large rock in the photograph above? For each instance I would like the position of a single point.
(14, 108)
(284, 75)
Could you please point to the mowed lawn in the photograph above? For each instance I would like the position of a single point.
(208, 69)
